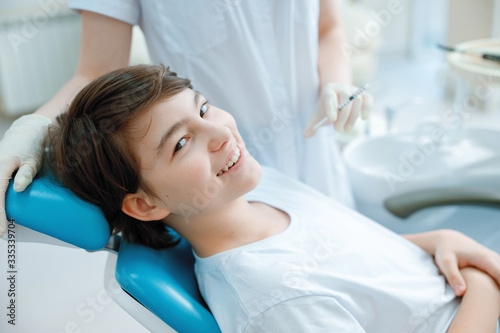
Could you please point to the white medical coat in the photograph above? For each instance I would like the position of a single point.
(257, 60)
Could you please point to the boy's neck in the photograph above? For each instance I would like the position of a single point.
(238, 224)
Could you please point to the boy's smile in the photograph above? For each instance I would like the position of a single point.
(232, 160)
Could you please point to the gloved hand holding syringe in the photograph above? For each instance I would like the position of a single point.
(327, 109)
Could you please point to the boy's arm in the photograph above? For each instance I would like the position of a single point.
(452, 251)
(480, 306)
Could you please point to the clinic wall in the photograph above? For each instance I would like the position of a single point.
(471, 20)
(396, 33)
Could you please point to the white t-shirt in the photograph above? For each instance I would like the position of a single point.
(257, 60)
(331, 270)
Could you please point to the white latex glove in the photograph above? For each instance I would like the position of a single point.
(332, 95)
(21, 147)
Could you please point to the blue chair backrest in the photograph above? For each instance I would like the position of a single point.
(162, 280)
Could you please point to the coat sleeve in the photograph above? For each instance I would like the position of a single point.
(127, 11)
(305, 314)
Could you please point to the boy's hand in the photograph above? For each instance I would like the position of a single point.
(455, 250)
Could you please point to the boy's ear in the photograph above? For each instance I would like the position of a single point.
(139, 207)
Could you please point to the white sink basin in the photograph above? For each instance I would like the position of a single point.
(383, 167)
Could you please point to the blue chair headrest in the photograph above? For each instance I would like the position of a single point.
(51, 209)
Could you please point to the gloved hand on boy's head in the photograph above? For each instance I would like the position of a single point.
(21, 147)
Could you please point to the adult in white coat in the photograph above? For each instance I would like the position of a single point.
(282, 60)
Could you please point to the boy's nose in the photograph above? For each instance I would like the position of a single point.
(218, 137)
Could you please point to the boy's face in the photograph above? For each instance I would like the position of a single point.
(183, 145)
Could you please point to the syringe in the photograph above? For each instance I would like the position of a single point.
(344, 104)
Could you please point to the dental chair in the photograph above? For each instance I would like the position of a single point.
(158, 287)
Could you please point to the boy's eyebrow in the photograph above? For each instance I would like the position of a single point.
(171, 131)
(177, 126)
(196, 97)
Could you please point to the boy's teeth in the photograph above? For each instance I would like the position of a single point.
(231, 162)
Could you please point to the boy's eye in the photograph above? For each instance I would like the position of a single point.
(180, 144)
(203, 109)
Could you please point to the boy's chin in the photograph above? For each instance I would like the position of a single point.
(246, 178)
(253, 177)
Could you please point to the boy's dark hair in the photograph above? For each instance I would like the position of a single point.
(89, 148)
